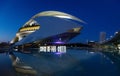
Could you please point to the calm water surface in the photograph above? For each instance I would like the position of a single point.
(71, 63)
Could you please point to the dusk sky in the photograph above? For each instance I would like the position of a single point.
(100, 15)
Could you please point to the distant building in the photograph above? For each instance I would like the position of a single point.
(4, 45)
(102, 36)
(93, 43)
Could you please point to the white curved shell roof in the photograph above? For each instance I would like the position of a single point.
(53, 14)
(57, 14)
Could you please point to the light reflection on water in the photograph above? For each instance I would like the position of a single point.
(5, 66)
(72, 63)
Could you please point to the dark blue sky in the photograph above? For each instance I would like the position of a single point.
(100, 15)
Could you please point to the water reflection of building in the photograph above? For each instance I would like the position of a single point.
(21, 67)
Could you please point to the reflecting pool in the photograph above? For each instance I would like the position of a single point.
(72, 63)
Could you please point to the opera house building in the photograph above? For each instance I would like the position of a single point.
(49, 27)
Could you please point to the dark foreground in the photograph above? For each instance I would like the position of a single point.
(72, 63)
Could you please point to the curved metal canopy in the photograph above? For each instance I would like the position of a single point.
(53, 14)
(57, 14)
